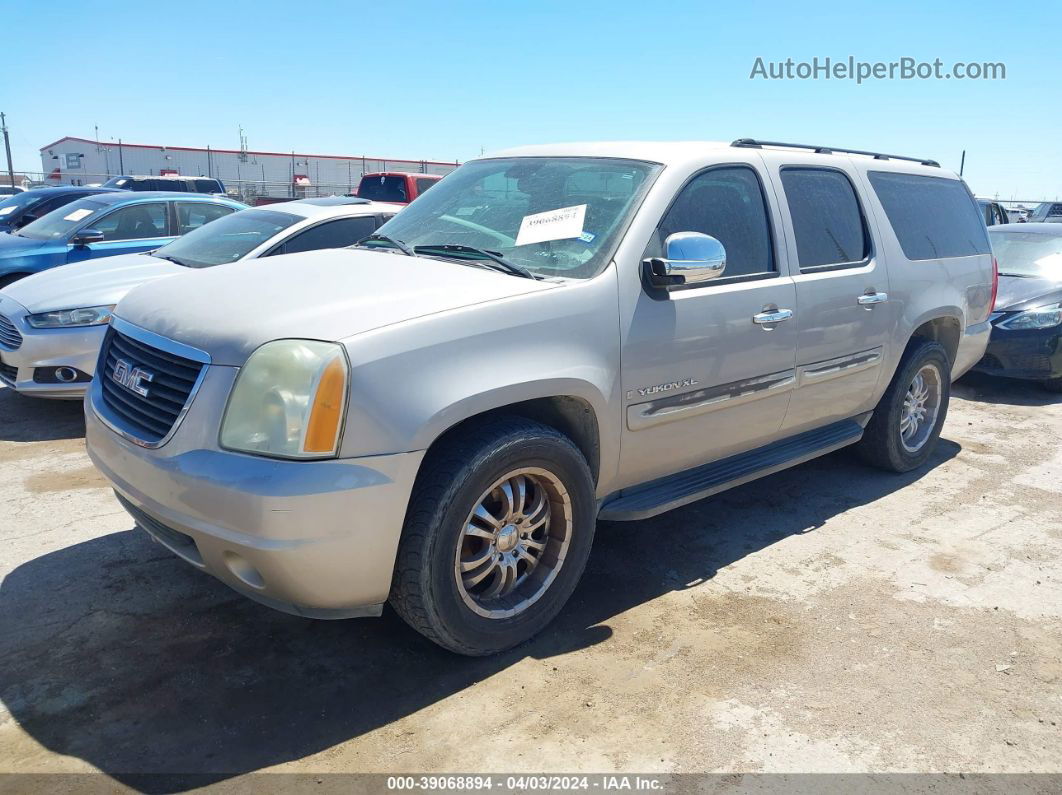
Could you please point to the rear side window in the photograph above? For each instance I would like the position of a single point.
(726, 203)
(192, 215)
(932, 217)
(331, 234)
(208, 186)
(827, 219)
(424, 184)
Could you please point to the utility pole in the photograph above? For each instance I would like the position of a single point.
(7, 150)
(121, 163)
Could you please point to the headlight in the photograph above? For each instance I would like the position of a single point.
(1041, 317)
(288, 401)
(65, 318)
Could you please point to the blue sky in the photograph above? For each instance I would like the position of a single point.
(441, 81)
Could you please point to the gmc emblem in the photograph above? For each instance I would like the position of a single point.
(132, 378)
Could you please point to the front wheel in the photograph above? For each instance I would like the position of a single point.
(906, 423)
(496, 536)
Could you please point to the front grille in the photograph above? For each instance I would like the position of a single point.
(9, 335)
(172, 378)
(8, 372)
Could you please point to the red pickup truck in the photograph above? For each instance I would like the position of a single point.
(396, 187)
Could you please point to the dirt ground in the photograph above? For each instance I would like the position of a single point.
(828, 618)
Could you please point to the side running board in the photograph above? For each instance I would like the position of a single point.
(658, 496)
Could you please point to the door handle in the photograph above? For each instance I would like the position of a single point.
(868, 300)
(776, 316)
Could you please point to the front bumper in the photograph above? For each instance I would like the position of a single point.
(1033, 355)
(311, 538)
(29, 368)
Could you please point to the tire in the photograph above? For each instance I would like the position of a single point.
(883, 444)
(428, 589)
(1052, 384)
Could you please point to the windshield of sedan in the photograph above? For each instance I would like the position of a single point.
(1028, 254)
(61, 222)
(15, 204)
(552, 216)
(227, 239)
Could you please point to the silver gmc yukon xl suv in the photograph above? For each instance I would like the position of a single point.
(551, 335)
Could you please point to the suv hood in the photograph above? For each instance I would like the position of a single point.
(228, 311)
(98, 282)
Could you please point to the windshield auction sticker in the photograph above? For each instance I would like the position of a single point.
(567, 222)
(77, 215)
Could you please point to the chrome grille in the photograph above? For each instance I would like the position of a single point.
(9, 336)
(149, 416)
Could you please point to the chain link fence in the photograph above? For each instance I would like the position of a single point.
(248, 191)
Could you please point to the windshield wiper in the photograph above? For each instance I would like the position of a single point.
(500, 262)
(174, 260)
(403, 247)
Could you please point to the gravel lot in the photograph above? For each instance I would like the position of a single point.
(829, 618)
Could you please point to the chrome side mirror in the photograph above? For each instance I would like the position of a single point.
(690, 258)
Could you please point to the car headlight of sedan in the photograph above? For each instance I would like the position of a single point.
(1038, 318)
(70, 318)
(288, 401)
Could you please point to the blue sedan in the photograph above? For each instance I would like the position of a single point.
(104, 225)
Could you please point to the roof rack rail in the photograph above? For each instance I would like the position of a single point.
(752, 143)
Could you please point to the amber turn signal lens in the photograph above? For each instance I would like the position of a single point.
(322, 431)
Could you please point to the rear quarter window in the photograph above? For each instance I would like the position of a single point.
(933, 217)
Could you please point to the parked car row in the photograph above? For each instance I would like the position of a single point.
(55, 321)
(103, 225)
(437, 416)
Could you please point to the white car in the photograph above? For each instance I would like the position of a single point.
(53, 323)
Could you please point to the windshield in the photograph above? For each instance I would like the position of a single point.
(553, 216)
(227, 239)
(1028, 254)
(61, 222)
(14, 205)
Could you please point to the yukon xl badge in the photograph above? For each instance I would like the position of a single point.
(646, 391)
(132, 378)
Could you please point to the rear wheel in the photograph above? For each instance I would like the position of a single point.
(496, 537)
(905, 426)
(1053, 384)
